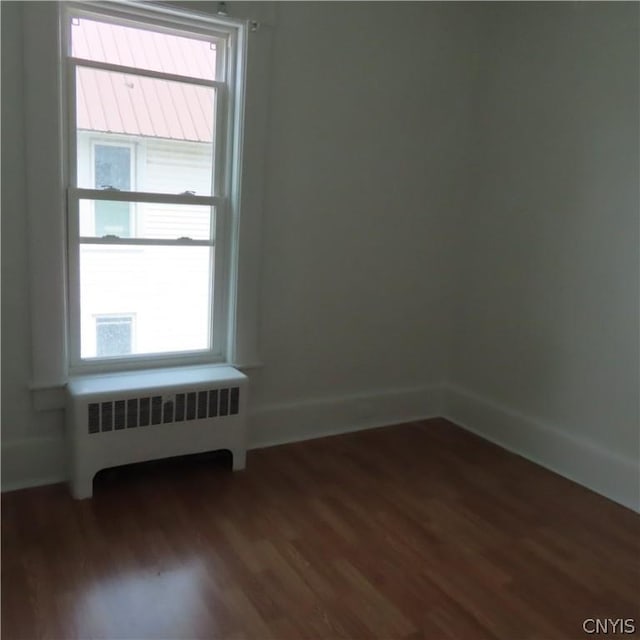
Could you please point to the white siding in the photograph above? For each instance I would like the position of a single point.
(165, 289)
(174, 166)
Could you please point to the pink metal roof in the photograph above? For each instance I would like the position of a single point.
(131, 104)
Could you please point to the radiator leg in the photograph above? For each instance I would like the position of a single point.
(239, 459)
(82, 486)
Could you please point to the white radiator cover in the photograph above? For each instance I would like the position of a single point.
(131, 417)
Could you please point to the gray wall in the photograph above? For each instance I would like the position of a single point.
(19, 421)
(545, 314)
(369, 114)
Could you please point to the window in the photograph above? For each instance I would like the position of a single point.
(114, 335)
(152, 165)
(112, 170)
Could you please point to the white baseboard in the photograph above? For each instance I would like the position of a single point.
(589, 464)
(39, 461)
(291, 422)
(33, 462)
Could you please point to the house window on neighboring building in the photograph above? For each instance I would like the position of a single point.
(154, 234)
(112, 170)
(114, 335)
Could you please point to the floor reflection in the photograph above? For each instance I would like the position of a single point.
(170, 603)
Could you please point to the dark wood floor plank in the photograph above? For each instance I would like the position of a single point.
(419, 531)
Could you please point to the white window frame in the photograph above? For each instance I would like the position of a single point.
(225, 196)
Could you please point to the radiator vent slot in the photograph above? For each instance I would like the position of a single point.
(130, 413)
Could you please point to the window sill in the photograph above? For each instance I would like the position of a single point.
(138, 381)
(53, 396)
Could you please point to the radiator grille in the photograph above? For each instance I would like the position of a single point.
(131, 413)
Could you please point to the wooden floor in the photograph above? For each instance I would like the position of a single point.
(419, 531)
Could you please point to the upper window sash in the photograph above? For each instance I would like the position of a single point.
(214, 132)
(222, 32)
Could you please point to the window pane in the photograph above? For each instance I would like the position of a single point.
(112, 218)
(113, 335)
(143, 48)
(167, 289)
(100, 218)
(112, 167)
(163, 130)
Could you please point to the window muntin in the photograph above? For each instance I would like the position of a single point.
(174, 266)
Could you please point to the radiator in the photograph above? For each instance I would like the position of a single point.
(119, 419)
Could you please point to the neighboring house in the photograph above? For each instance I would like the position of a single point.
(152, 135)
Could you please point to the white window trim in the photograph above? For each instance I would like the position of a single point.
(46, 194)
